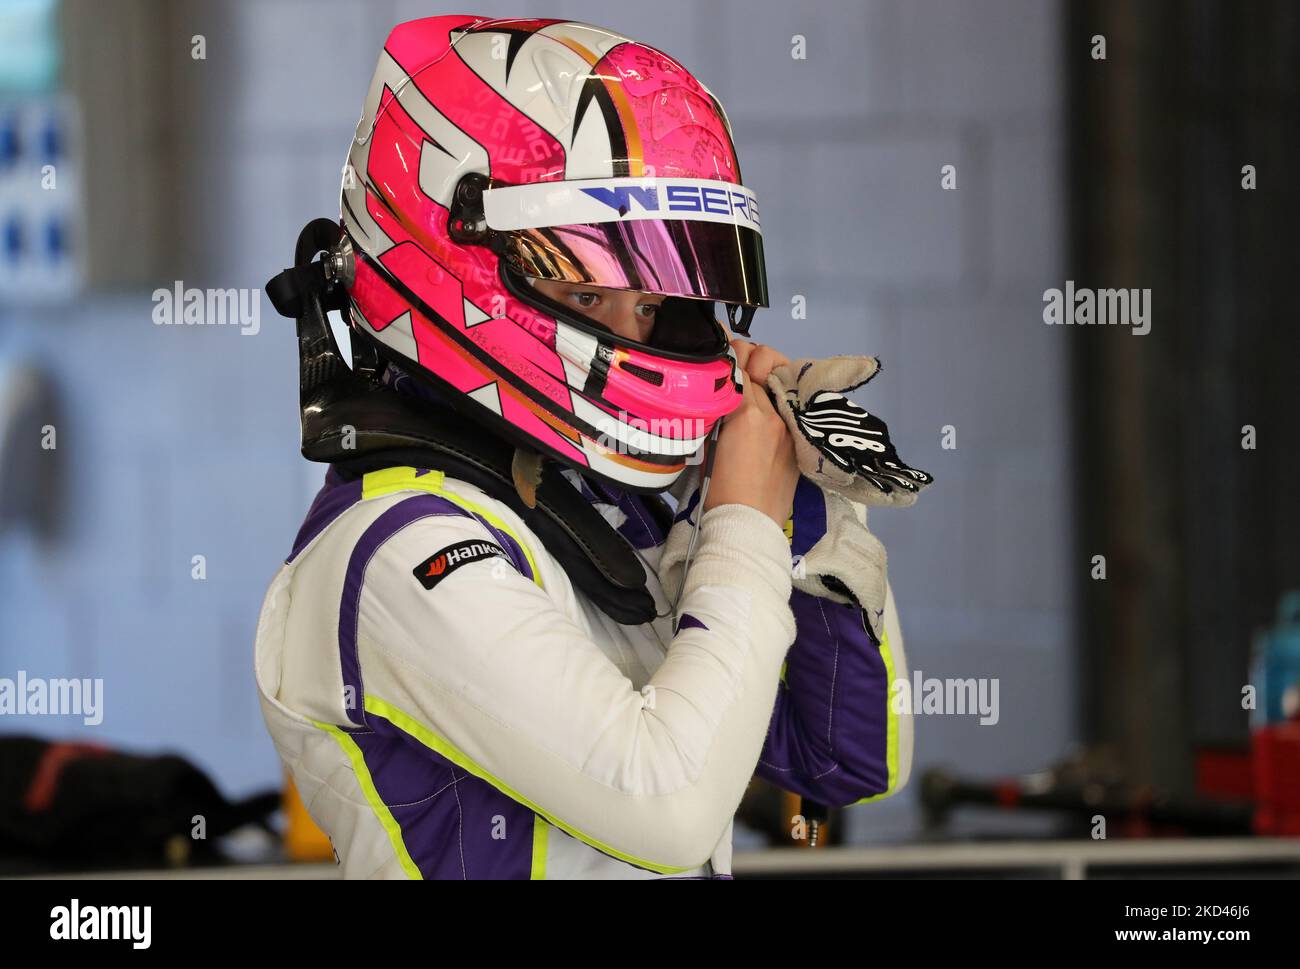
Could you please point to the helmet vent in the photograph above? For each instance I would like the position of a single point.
(645, 373)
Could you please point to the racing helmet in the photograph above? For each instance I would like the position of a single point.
(494, 152)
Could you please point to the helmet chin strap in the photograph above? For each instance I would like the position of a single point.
(705, 477)
(741, 325)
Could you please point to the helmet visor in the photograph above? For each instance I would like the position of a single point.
(680, 237)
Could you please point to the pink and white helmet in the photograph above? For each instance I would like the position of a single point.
(494, 150)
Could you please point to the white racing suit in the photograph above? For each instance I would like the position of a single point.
(450, 706)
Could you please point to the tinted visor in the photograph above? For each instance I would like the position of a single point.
(705, 260)
(680, 237)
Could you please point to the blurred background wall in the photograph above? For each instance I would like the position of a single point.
(182, 441)
(1182, 179)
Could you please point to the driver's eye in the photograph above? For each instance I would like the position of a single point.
(585, 300)
(648, 310)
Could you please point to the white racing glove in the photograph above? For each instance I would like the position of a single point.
(838, 444)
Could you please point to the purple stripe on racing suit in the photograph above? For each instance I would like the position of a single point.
(453, 824)
(334, 498)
